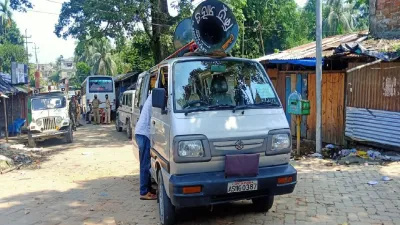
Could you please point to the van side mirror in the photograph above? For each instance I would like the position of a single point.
(158, 99)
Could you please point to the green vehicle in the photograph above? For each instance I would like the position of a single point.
(48, 118)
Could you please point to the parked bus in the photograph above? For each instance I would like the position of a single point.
(99, 85)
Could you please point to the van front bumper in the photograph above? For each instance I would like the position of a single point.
(215, 185)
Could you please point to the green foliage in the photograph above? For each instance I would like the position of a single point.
(10, 53)
(55, 78)
(95, 19)
(82, 72)
(11, 34)
(97, 53)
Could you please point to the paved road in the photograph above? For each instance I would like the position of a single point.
(95, 181)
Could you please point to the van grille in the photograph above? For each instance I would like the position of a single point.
(49, 123)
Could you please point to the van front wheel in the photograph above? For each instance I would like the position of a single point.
(165, 207)
(263, 204)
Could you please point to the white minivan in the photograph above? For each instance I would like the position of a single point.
(124, 114)
(218, 134)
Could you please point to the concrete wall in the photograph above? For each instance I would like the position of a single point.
(385, 18)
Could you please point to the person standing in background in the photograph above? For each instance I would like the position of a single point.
(96, 104)
(72, 112)
(107, 111)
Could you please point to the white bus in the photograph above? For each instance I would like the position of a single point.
(99, 85)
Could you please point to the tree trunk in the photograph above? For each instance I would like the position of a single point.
(159, 18)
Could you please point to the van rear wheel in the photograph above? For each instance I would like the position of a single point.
(263, 204)
(165, 207)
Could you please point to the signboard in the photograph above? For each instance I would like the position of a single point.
(19, 73)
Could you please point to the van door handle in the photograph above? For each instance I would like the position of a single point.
(154, 122)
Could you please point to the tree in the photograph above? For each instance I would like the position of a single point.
(5, 13)
(12, 36)
(82, 72)
(21, 5)
(277, 23)
(82, 19)
(97, 53)
(11, 53)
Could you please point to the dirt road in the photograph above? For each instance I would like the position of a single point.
(95, 181)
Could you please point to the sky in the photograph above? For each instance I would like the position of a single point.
(39, 23)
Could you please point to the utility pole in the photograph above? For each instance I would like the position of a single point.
(37, 62)
(318, 77)
(26, 42)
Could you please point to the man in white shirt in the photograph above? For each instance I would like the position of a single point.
(142, 135)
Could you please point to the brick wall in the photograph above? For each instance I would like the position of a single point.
(385, 18)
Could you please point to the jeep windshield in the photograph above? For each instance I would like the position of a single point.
(48, 103)
(221, 85)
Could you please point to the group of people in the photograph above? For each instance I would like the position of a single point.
(94, 109)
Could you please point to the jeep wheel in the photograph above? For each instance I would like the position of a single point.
(31, 141)
(69, 137)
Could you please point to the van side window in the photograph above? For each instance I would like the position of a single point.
(139, 88)
(124, 100)
(129, 100)
(163, 78)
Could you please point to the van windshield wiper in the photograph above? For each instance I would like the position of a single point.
(221, 106)
(267, 103)
(254, 106)
(195, 110)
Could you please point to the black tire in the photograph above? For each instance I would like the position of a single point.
(165, 207)
(69, 137)
(31, 141)
(129, 129)
(117, 124)
(263, 204)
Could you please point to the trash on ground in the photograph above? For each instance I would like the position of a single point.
(316, 155)
(104, 194)
(372, 182)
(385, 178)
(329, 164)
(330, 146)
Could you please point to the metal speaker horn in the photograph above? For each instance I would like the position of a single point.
(214, 27)
(183, 33)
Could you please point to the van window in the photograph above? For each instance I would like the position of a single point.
(139, 88)
(124, 99)
(230, 83)
(129, 99)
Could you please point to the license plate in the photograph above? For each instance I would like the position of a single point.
(242, 186)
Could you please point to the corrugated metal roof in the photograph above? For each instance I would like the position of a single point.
(6, 88)
(377, 126)
(308, 50)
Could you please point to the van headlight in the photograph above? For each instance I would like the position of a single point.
(39, 122)
(280, 142)
(191, 149)
(58, 120)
